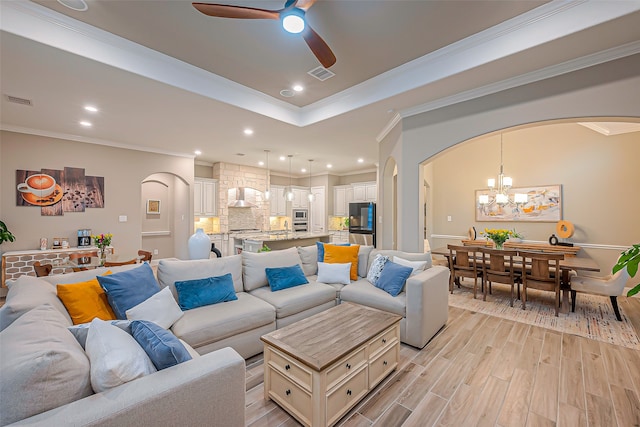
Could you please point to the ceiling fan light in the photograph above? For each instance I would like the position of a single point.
(293, 23)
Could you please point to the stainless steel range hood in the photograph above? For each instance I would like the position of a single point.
(240, 202)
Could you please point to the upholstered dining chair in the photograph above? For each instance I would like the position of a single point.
(116, 264)
(463, 262)
(146, 255)
(498, 267)
(42, 269)
(79, 255)
(541, 271)
(610, 286)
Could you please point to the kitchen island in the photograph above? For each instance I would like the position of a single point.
(279, 240)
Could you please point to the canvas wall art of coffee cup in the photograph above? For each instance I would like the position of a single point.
(40, 185)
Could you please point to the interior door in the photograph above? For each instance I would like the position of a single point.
(318, 211)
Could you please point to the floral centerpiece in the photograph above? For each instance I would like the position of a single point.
(102, 241)
(499, 235)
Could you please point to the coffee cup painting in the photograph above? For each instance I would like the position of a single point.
(59, 191)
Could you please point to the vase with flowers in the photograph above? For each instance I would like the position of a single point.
(102, 242)
(498, 235)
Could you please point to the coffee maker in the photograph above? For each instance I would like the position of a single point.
(84, 237)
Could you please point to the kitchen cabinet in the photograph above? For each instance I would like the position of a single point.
(277, 202)
(205, 197)
(365, 192)
(300, 198)
(340, 203)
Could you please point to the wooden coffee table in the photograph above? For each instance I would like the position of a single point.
(317, 369)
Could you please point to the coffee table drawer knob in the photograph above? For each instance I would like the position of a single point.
(384, 340)
(348, 366)
(348, 392)
(385, 363)
(288, 392)
(287, 367)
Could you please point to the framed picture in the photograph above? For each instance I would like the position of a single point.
(541, 204)
(153, 207)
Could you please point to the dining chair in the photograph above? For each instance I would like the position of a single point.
(146, 255)
(42, 269)
(541, 271)
(116, 264)
(78, 255)
(498, 267)
(463, 262)
(611, 286)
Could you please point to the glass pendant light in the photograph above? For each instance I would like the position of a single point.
(311, 196)
(267, 193)
(288, 194)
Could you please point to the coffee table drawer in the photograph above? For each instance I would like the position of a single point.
(383, 340)
(292, 397)
(346, 367)
(290, 369)
(343, 397)
(382, 365)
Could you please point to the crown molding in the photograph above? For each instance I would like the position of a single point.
(397, 118)
(96, 141)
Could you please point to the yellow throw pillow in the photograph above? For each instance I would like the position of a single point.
(85, 301)
(334, 254)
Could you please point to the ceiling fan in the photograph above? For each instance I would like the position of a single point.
(292, 17)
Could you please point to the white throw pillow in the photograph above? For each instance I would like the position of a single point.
(116, 357)
(161, 309)
(376, 268)
(334, 273)
(417, 266)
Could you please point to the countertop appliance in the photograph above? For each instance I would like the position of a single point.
(362, 223)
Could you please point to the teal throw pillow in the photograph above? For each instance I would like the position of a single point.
(129, 288)
(285, 277)
(163, 348)
(321, 248)
(199, 292)
(393, 277)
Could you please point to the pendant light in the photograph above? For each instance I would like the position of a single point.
(288, 194)
(267, 193)
(311, 196)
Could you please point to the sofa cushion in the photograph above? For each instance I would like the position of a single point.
(285, 277)
(211, 323)
(85, 300)
(294, 300)
(116, 358)
(127, 289)
(159, 308)
(309, 258)
(162, 347)
(363, 260)
(393, 277)
(254, 265)
(343, 254)
(409, 256)
(27, 293)
(169, 271)
(199, 292)
(363, 292)
(416, 266)
(42, 365)
(334, 273)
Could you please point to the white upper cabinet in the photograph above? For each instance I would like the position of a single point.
(205, 197)
(345, 194)
(365, 192)
(300, 198)
(277, 202)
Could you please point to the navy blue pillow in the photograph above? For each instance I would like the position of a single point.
(321, 249)
(285, 277)
(162, 347)
(129, 288)
(199, 292)
(393, 277)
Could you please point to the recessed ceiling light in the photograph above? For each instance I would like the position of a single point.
(283, 158)
(303, 170)
(248, 131)
(360, 160)
(91, 108)
(329, 165)
(197, 152)
(298, 88)
(287, 93)
(261, 163)
(79, 5)
(86, 124)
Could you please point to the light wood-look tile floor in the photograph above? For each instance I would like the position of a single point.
(482, 370)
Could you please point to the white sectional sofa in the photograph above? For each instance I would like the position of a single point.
(208, 390)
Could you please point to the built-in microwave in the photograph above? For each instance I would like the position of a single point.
(299, 214)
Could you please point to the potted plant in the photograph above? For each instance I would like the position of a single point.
(264, 248)
(5, 234)
(629, 259)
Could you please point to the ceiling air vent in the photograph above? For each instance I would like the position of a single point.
(17, 100)
(321, 73)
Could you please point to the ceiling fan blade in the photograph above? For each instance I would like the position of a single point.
(304, 4)
(229, 11)
(319, 47)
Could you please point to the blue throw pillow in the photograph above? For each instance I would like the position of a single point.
(321, 248)
(285, 277)
(393, 277)
(199, 292)
(162, 347)
(129, 288)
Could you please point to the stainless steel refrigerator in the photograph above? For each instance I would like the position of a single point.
(362, 223)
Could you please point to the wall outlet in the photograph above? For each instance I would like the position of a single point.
(449, 218)
(155, 252)
(122, 218)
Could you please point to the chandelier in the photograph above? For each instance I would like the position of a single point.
(499, 188)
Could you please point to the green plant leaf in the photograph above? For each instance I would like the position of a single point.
(634, 290)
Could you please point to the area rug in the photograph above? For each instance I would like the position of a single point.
(594, 317)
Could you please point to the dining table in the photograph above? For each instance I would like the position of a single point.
(568, 264)
(91, 262)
